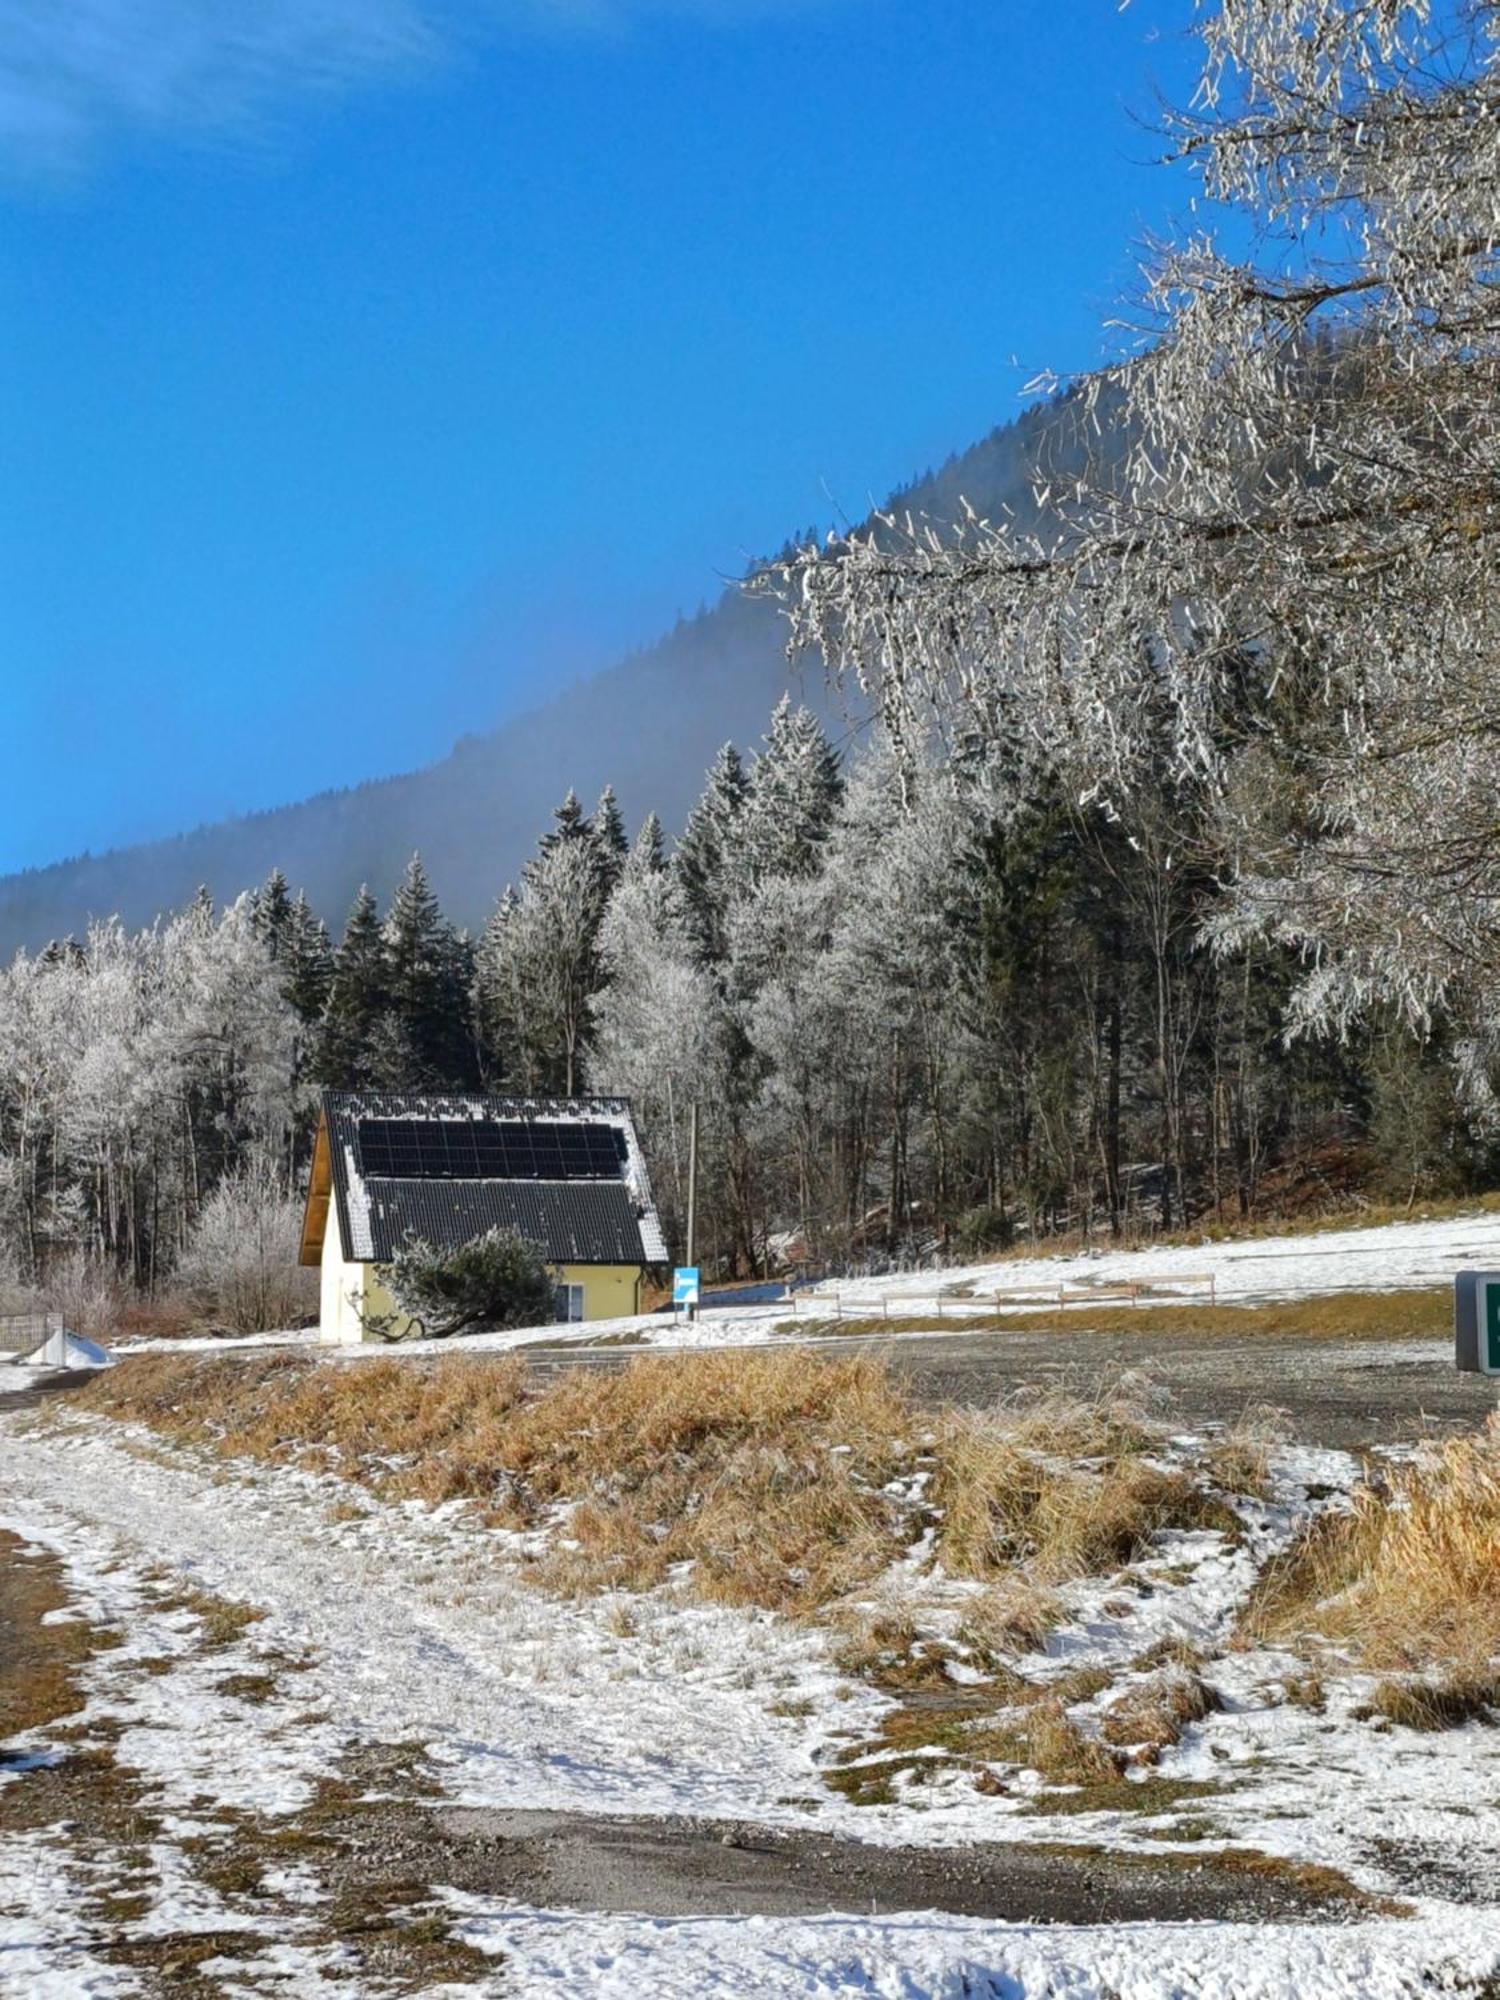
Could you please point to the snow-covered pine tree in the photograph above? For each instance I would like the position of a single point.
(424, 1041)
(610, 837)
(568, 824)
(793, 799)
(357, 999)
(554, 961)
(272, 912)
(703, 861)
(496, 1000)
(649, 854)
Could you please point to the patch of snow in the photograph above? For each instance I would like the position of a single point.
(924, 1956)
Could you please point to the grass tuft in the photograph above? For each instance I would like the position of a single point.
(1058, 1750)
(1409, 1577)
(1151, 1716)
(1431, 1705)
(1062, 1488)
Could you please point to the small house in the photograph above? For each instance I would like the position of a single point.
(567, 1173)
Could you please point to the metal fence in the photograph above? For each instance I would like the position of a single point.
(22, 1333)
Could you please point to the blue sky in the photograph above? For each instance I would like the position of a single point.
(375, 368)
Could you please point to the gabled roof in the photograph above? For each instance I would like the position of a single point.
(566, 1172)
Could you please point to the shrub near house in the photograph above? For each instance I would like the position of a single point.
(497, 1280)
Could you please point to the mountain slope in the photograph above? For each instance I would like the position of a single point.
(648, 726)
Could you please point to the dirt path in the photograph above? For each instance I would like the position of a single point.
(683, 1867)
(372, 1851)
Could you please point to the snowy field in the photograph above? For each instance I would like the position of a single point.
(407, 1620)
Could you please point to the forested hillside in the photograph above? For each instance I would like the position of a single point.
(649, 726)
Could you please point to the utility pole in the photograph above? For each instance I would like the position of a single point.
(692, 1199)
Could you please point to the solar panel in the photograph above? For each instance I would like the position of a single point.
(479, 1149)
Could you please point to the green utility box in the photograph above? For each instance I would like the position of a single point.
(1476, 1322)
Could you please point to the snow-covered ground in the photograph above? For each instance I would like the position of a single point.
(1397, 1256)
(408, 1620)
(925, 1956)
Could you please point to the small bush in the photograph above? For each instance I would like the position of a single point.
(499, 1279)
(241, 1267)
(89, 1296)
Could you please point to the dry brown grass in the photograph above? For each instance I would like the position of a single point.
(1437, 1704)
(1348, 1315)
(1411, 1577)
(1061, 1488)
(1012, 1616)
(763, 1475)
(1240, 1461)
(1151, 1716)
(1057, 1749)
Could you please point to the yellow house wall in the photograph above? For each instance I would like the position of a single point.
(341, 1287)
(610, 1291)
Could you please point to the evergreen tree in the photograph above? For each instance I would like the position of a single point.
(357, 997)
(649, 855)
(271, 913)
(608, 829)
(703, 861)
(495, 1000)
(424, 1041)
(307, 961)
(795, 789)
(568, 825)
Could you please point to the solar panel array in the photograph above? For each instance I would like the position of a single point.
(487, 1149)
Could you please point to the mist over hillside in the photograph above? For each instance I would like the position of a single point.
(649, 726)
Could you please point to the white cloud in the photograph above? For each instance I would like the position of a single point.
(74, 72)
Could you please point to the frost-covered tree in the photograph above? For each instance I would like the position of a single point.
(357, 998)
(610, 838)
(704, 860)
(273, 912)
(423, 1040)
(794, 790)
(659, 1028)
(242, 1259)
(650, 850)
(538, 968)
(1287, 532)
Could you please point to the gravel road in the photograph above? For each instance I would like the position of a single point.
(1343, 1392)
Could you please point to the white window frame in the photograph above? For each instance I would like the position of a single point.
(569, 1304)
